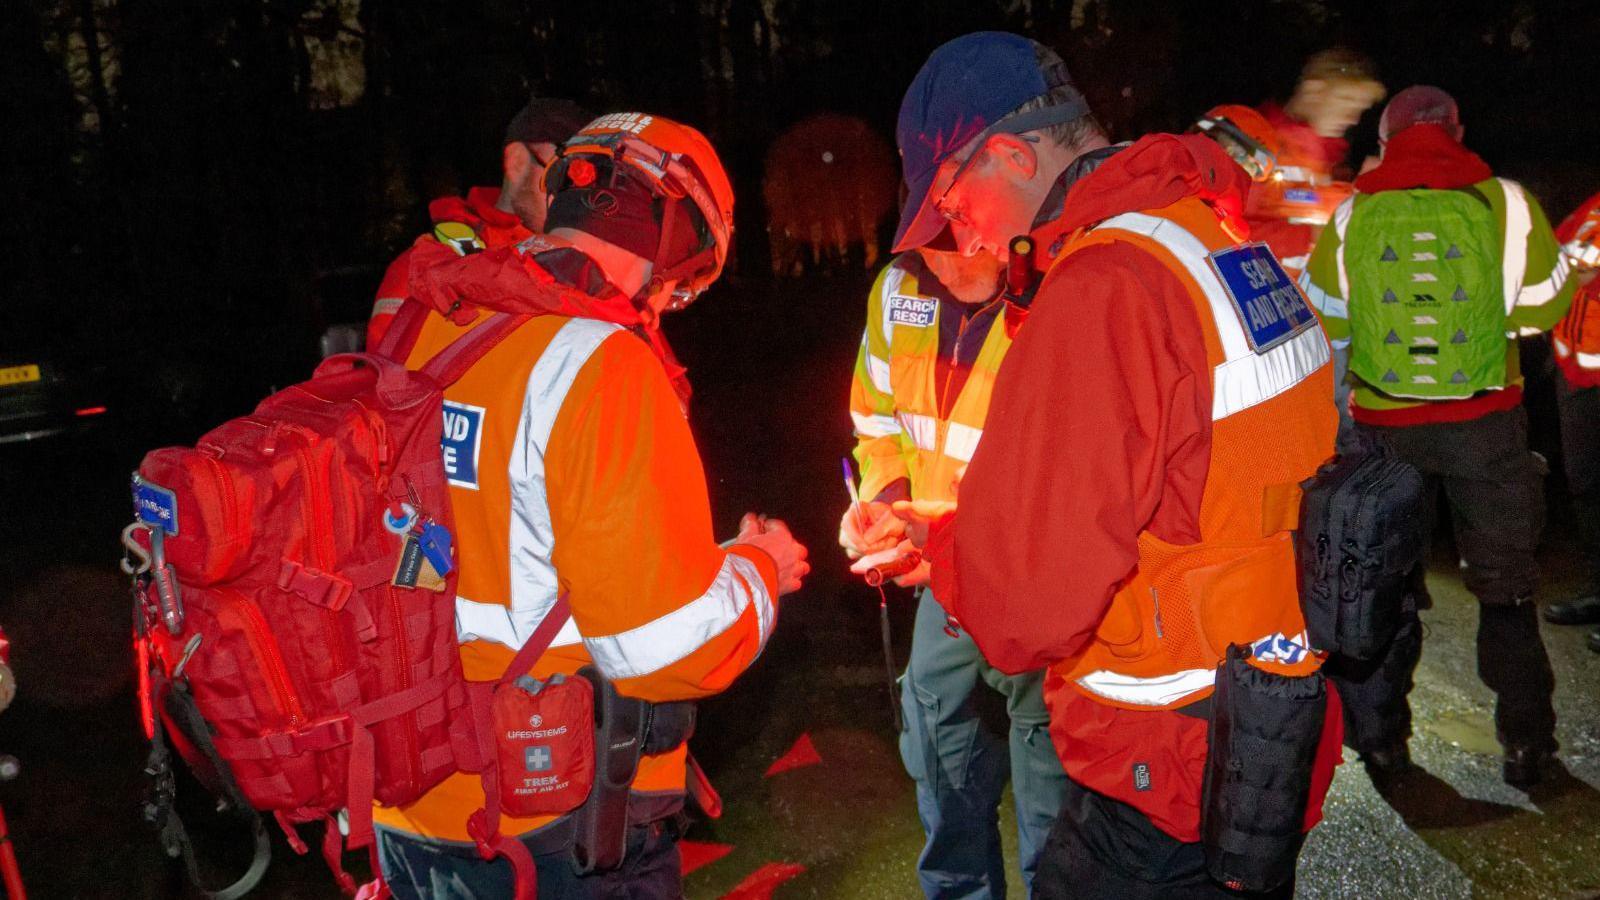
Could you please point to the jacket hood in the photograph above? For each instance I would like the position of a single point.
(1424, 156)
(1156, 171)
(543, 275)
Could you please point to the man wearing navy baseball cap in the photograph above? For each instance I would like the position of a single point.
(1125, 521)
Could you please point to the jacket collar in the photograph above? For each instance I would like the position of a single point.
(1424, 156)
(1154, 172)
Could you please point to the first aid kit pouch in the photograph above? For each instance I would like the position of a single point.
(1263, 738)
(1361, 521)
(544, 740)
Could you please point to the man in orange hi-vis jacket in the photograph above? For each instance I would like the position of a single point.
(573, 471)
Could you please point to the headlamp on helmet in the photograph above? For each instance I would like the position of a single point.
(1246, 136)
(693, 201)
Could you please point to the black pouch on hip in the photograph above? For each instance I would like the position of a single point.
(1264, 734)
(625, 729)
(1361, 521)
(600, 825)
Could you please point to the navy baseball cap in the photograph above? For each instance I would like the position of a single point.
(970, 88)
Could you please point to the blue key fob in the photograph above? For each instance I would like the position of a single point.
(435, 539)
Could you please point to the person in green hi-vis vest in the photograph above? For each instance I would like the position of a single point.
(1430, 273)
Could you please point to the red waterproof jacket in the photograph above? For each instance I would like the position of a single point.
(1304, 158)
(493, 227)
(1100, 428)
(1577, 338)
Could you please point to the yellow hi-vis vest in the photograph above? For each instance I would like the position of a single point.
(901, 433)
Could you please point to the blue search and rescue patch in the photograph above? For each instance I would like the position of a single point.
(155, 505)
(1270, 307)
(1300, 195)
(461, 441)
(917, 312)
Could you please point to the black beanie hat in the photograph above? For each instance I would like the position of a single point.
(546, 120)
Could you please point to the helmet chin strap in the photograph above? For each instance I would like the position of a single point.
(664, 272)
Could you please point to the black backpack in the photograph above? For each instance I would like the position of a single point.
(1361, 523)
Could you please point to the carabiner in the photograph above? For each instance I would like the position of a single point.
(166, 584)
(132, 548)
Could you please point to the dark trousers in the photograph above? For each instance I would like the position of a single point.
(1580, 456)
(421, 869)
(1103, 848)
(1495, 490)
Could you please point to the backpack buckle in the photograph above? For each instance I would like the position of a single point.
(322, 588)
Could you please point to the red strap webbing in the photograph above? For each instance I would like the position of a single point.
(397, 342)
(484, 824)
(454, 360)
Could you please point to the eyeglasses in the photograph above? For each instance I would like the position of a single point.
(1017, 124)
(942, 205)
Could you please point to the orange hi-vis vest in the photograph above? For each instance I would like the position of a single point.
(1273, 423)
(572, 469)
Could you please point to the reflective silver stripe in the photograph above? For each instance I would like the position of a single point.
(893, 277)
(923, 430)
(1158, 691)
(1245, 378)
(665, 640)
(1585, 360)
(1529, 331)
(1324, 302)
(961, 441)
(1546, 290)
(1296, 262)
(1299, 175)
(473, 618)
(1514, 260)
(1239, 384)
(874, 426)
(531, 537)
(878, 371)
(1341, 224)
(387, 305)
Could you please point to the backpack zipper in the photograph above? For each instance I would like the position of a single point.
(219, 472)
(319, 543)
(259, 636)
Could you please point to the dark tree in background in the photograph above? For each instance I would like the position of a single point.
(222, 178)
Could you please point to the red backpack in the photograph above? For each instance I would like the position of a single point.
(295, 605)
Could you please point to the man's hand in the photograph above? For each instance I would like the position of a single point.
(919, 516)
(772, 537)
(868, 528)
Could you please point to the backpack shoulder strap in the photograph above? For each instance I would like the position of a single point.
(454, 360)
(397, 342)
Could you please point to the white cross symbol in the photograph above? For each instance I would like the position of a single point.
(537, 759)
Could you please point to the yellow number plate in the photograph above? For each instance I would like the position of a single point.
(18, 375)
